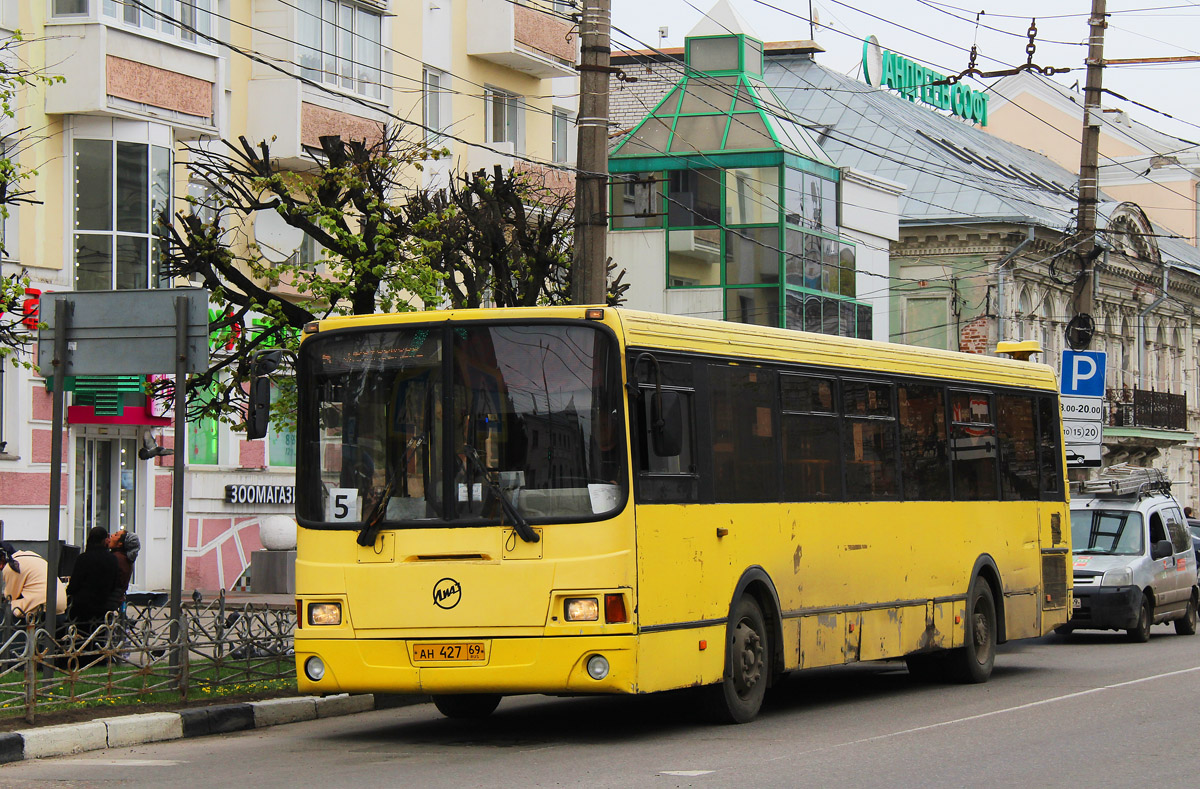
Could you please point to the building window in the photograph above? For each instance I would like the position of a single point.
(120, 190)
(505, 119)
(341, 44)
(70, 8)
(434, 91)
(175, 18)
(559, 136)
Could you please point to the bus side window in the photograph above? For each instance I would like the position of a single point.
(1018, 448)
(1049, 449)
(745, 449)
(869, 441)
(923, 461)
(665, 479)
(973, 446)
(812, 459)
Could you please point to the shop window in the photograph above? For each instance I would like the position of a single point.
(694, 257)
(752, 195)
(637, 201)
(923, 442)
(204, 439)
(757, 306)
(752, 256)
(341, 44)
(281, 441)
(693, 198)
(744, 444)
(120, 188)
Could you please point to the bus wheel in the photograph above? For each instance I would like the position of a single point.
(467, 705)
(738, 697)
(1140, 633)
(1186, 625)
(973, 662)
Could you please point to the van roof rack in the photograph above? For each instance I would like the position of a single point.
(1123, 479)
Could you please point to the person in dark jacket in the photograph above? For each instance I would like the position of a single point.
(125, 548)
(92, 581)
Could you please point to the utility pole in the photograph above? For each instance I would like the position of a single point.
(589, 272)
(1088, 173)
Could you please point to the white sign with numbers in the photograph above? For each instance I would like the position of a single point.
(1082, 407)
(342, 504)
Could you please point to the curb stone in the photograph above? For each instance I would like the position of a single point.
(195, 722)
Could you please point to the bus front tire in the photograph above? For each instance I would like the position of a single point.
(467, 705)
(738, 697)
(1140, 632)
(972, 663)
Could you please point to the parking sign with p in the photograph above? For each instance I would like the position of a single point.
(1083, 373)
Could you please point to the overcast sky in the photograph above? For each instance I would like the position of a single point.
(940, 34)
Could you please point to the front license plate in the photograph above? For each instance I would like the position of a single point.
(449, 652)
(1076, 602)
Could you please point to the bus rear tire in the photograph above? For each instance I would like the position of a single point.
(972, 663)
(467, 705)
(738, 697)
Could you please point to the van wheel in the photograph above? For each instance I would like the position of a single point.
(972, 663)
(467, 705)
(738, 697)
(1186, 624)
(1140, 633)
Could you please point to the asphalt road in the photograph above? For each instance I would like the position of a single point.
(1092, 710)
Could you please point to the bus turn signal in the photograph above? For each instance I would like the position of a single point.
(614, 608)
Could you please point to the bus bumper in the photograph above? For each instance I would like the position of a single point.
(514, 665)
(1106, 608)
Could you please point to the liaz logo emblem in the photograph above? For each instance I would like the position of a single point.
(446, 593)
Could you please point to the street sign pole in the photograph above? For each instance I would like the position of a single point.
(62, 316)
(177, 465)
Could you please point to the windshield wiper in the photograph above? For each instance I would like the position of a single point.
(374, 520)
(518, 521)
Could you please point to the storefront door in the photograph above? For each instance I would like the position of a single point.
(106, 481)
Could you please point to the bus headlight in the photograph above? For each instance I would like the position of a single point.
(582, 609)
(1120, 577)
(314, 668)
(325, 613)
(597, 667)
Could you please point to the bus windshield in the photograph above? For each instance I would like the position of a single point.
(535, 408)
(1113, 532)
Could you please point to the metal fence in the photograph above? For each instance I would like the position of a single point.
(1145, 408)
(138, 654)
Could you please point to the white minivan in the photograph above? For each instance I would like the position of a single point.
(1133, 560)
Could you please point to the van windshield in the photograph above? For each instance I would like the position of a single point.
(1111, 532)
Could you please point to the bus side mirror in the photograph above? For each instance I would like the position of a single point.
(666, 423)
(1161, 549)
(258, 412)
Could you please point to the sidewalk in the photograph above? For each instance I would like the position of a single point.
(126, 730)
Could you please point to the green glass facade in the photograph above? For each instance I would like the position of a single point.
(747, 199)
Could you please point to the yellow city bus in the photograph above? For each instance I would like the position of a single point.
(575, 500)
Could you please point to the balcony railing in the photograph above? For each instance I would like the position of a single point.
(1145, 408)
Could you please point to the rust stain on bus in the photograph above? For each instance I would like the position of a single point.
(855, 547)
(796, 559)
